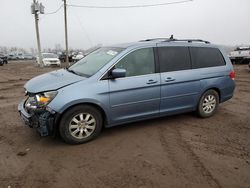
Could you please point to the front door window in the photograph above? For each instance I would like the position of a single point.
(138, 62)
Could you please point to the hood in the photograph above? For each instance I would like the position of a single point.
(52, 81)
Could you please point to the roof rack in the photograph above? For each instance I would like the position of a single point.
(153, 39)
(187, 40)
(172, 39)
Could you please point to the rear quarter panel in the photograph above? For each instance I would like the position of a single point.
(218, 78)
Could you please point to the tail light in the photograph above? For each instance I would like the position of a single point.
(232, 75)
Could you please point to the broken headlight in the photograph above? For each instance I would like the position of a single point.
(45, 98)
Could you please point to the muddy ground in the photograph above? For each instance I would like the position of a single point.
(178, 151)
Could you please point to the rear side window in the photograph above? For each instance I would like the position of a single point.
(206, 57)
(174, 58)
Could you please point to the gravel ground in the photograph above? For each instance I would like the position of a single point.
(177, 151)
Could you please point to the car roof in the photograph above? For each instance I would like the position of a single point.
(165, 42)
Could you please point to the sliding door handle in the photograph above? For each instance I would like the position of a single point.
(152, 81)
(169, 79)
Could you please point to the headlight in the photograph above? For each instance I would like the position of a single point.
(43, 99)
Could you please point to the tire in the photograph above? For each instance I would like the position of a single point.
(208, 104)
(80, 124)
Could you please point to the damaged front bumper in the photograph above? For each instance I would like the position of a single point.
(41, 119)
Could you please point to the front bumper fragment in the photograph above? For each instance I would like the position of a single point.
(26, 117)
(42, 120)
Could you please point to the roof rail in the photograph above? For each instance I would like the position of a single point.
(187, 40)
(153, 39)
(173, 39)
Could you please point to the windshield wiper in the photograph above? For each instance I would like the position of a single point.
(74, 72)
(77, 73)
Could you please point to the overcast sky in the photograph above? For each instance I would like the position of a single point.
(219, 21)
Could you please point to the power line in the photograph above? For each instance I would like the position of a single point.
(54, 11)
(119, 7)
(129, 6)
(82, 27)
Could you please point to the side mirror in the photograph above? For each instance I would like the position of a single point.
(118, 73)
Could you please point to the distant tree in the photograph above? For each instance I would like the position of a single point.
(58, 48)
(24, 51)
(13, 49)
(33, 51)
(3, 49)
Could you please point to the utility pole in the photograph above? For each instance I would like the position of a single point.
(37, 8)
(66, 33)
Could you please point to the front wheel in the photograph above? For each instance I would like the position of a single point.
(80, 124)
(208, 104)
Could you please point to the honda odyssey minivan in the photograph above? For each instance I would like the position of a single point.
(126, 83)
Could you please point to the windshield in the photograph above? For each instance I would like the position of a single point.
(49, 55)
(93, 62)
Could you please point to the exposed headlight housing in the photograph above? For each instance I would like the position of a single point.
(45, 98)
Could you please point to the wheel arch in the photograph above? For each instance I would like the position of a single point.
(97, 106)
(200, 112)
(212, 88)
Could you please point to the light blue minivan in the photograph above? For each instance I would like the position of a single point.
(126, 83)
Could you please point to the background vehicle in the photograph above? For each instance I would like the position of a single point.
(16, 56)
(240, 55)
(62, 57)
(49, 59)
(4, 58)
(77, 57)
(126, 83)
(1, 62)
(28, 56)
(20, 56)
(12, 57)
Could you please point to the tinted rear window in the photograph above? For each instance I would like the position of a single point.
(174, 58)
(206, 57)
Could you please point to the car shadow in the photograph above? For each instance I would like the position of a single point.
(132, 127)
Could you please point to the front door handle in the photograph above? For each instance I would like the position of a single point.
(169, 79)
(152, 81)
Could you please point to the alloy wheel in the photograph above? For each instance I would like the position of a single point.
(82, 125)
(209, 104)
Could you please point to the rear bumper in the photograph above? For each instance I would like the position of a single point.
(42, 120)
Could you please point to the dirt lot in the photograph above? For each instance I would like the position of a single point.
(179, 151)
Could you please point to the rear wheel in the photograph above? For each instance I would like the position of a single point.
(80, 124)
(208, 104)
